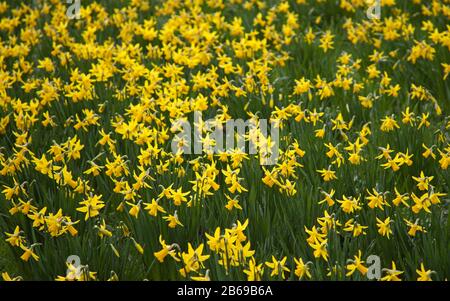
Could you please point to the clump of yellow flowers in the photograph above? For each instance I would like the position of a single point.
(88, 108)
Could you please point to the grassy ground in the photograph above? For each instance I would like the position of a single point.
(7, 260)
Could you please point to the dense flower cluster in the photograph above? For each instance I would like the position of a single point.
(87, 114)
